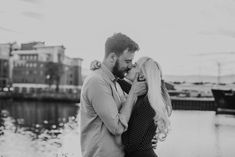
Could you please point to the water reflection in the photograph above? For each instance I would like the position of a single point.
(38, 115)
(199, 134)
(36, 128)
(224, 135)
(193, 133)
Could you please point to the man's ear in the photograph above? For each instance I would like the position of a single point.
(113, 57)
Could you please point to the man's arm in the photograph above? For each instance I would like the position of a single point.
(100, 96)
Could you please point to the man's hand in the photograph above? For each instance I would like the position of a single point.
(95, 65)
(154, 142)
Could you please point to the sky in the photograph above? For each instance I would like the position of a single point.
(185, 36)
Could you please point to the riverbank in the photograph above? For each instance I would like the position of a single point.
(178, 103)
(192, 103)
(44, 96)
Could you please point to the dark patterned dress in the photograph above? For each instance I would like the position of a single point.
(137, 139)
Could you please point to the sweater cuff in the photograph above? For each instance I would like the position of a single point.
(124, 122)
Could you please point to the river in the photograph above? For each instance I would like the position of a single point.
(41, 129)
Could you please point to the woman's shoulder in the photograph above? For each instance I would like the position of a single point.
(141, 99)
(145, 106)
(143, 102)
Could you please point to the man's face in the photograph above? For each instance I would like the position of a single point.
(123, 64)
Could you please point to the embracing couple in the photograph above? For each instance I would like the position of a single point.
(123, 105)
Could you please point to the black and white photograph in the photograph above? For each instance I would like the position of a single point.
(108, 78)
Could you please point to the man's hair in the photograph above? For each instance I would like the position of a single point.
(119, 42)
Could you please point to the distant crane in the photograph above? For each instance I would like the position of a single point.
(218, 62)
(219, 72)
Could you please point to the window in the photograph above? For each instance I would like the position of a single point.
(5, 64)
(34, 65)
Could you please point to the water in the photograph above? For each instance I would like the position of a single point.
(52, 130)
(38, 129)
(199, 134)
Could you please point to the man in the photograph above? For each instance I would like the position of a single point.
(105, 110)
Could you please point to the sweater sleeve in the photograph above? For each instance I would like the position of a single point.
(106, 109)
(138, 126)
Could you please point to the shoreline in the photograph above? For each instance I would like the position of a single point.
(48, 96)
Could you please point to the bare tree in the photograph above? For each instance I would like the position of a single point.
(54, 71)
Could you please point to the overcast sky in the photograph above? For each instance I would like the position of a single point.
(184, 36)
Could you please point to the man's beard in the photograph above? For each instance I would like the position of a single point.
(118, 73)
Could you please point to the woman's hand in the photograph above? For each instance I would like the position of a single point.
(139, 87)
(95, 65)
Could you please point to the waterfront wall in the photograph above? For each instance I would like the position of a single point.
(204, 104)
(45, 96)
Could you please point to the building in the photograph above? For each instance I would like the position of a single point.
(33, 68)
(5, 66)
(72, 71)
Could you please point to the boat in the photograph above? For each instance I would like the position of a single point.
(225, 101)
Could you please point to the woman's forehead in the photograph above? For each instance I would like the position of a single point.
(142, 60)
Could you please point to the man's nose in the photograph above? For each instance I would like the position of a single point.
(133, 65)
(129, 66)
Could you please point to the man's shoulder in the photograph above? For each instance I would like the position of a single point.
(94, 76)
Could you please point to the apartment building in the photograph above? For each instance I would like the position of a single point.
(31, 64)
(5, 72)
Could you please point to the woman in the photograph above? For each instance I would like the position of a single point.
(151, 113)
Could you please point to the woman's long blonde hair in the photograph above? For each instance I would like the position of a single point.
(157, 95)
